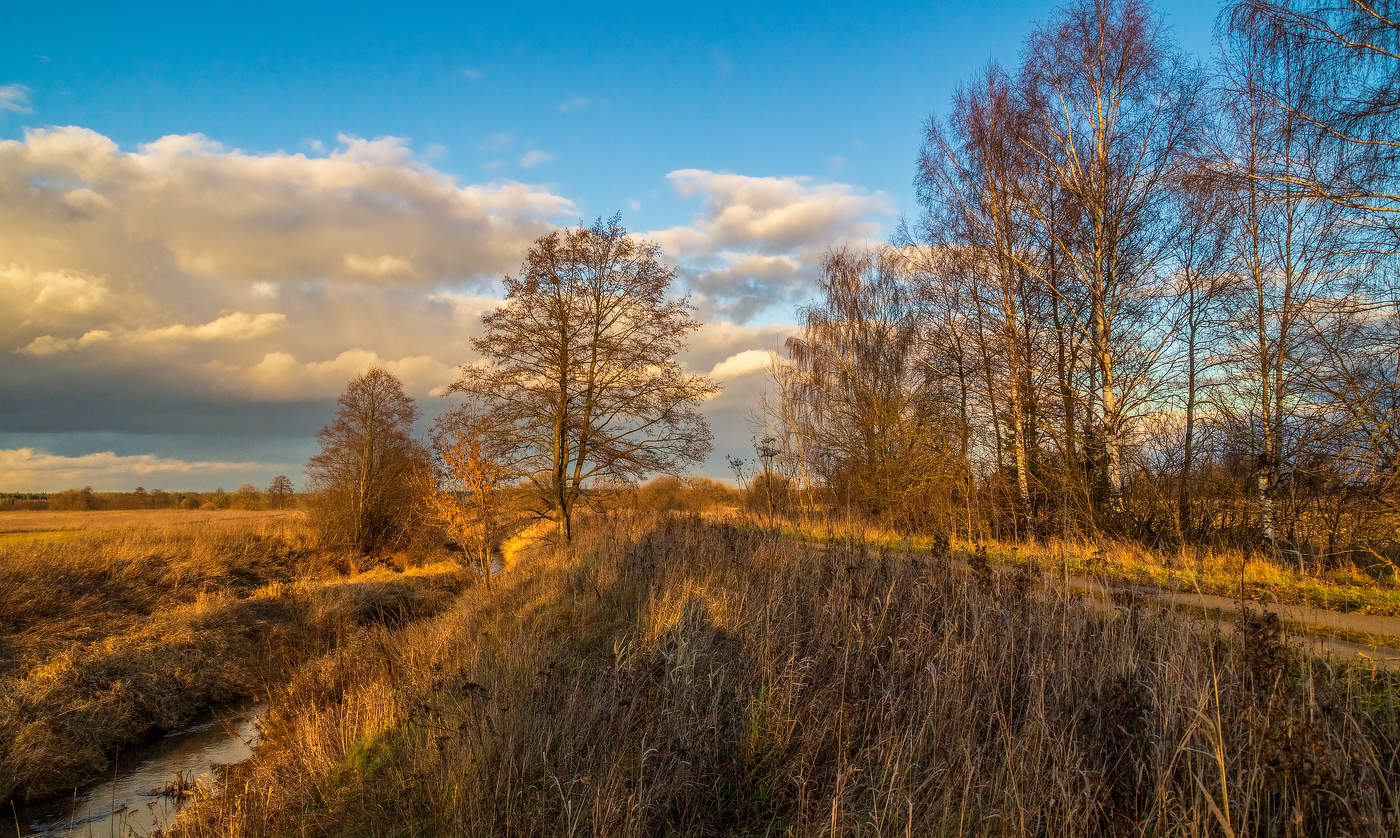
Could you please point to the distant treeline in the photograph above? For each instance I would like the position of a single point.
(278, 495)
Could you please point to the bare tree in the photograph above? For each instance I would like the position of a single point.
(971, 180)
(580, 370)
(1344, 91)
(280, 491)
(365, 471)
(873, 428)
(1114, 103)
(1290, 250)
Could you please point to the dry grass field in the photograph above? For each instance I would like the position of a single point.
(678, 676)
(134, 622)
(30, 521)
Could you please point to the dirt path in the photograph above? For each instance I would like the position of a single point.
(1308, 626)
(1317, 630)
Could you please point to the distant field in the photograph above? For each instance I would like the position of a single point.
(45, 521)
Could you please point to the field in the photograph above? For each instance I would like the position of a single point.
(115, 625)
(675, 675)
(684, 677)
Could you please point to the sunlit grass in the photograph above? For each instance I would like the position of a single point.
(1222, 573)
(110, 631)
(681, 677)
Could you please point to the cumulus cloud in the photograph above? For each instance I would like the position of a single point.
(185, 204)
(718, 342)
(280, 376)
(32, 470)
(45, 296)
(15, 98)
(534, 157)
(774, 213)
(574, 103)
(231, 327)
(743, 363)
(757, 241)
(184, 230)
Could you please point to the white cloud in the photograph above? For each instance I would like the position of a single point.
(574, 103)
(717, 342)
(472, 73)
(383, 266)
(775, 213)
(238, 326)
(757, 241)
(235, 326)
(15, 98)
(281, 376)
(32, 470)
(71, 200)
(535, 157)
(744, 363)
(496, 141)
(50, 295)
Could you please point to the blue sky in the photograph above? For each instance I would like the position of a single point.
(619, 98)
(535, 114)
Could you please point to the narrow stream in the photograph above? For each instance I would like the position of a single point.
(132, 803)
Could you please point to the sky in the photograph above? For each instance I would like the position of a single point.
(213, 215)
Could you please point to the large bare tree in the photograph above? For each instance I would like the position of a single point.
(1114, 105)
(971, 180)
(579, 367)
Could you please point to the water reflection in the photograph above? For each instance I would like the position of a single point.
(132, 803)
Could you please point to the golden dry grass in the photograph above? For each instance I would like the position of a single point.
(1212, 571)
(16, 521)
(694, 678)
(138, 621)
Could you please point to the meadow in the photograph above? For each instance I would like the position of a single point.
(672, 675)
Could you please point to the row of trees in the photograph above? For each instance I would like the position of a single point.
(279, 494)
(1144, 296)
(577, 388)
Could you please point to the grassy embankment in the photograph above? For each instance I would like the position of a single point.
(700, 678)
(116, 625)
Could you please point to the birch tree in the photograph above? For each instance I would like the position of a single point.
(1114, 103)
